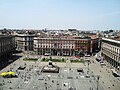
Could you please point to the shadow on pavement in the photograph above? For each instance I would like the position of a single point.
(6, 62)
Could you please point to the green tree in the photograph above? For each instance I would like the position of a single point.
(63, 60)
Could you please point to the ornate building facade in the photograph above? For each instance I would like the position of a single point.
(24, 42)
(110, 50)
(64, 45)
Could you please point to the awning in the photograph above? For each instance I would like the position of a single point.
(11, 73)
(3, 74)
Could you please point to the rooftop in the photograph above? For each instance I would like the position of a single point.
(4, 36)
(111, 40)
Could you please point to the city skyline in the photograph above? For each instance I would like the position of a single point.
(60, 14)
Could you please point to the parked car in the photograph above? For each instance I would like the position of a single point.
(87, 55)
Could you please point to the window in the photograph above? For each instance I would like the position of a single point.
(25, 38)
(25, 48)
(25, 43)
(72, 46)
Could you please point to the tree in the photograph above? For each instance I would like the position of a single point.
(43, 59)
(62, 59)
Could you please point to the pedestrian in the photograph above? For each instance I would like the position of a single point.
(113, 85)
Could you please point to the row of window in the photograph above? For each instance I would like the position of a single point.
(2, 43)
(45, 46)
(49, 41)
(110, 54)
(28, 43)
(5, 47)
(28, 38)
(111, 47)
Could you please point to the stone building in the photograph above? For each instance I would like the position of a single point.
(110, 50)
(24, 42)
(7, 47)
(64, 45)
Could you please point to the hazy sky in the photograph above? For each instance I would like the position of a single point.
(60, 14)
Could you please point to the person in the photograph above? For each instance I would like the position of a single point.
(25, 64)
(50, 58)
(113, 85)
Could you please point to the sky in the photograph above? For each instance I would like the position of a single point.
(60, 14)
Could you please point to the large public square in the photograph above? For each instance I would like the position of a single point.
(68, 78)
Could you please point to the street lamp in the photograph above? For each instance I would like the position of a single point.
(98, 77)
(88, 67)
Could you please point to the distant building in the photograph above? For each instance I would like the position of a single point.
(94, 43)
(110, 50)
(64, 45)
(7, 47)
(24, 42)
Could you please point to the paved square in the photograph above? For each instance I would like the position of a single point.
(68, 78)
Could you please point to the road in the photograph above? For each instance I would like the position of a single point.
(108, 81)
